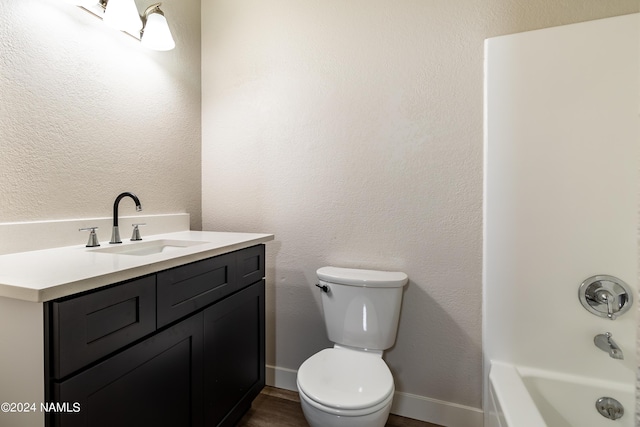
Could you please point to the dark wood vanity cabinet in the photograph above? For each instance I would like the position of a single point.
(133, 354)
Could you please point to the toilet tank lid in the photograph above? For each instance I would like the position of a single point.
(366, 278)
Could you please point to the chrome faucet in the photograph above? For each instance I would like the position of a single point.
(606, 343)
(115, 234)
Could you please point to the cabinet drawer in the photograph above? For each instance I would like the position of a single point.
(250, 265)
(91, 326)
(185, 289)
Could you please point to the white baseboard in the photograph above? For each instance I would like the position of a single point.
(436, 411)
(404, 404)
(281, 378)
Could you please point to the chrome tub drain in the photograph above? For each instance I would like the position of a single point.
(610, 408)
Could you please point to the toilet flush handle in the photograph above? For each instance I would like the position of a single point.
(324, 288)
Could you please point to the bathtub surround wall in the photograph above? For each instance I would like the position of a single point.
(86, 113)
(561, 186)
(352, 131)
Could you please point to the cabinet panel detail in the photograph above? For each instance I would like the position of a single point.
(111, 319)
(185, 289)
(91, 326)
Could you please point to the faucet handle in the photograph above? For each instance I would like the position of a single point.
(605, 297)
(93, 237)
(136, 232)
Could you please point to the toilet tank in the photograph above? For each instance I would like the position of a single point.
(362, 307)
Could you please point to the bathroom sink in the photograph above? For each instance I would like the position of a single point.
(149, 247)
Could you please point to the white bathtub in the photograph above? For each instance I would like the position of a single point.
(528, 397)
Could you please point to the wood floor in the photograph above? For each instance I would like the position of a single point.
(275, 407)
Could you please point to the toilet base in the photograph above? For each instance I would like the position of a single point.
(317, 418)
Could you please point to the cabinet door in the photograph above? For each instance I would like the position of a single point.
(157, 382)
(234, 355)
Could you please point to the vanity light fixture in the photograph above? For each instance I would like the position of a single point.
(151, 28)
(155, 33)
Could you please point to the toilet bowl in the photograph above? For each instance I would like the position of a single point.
(350, 385)
(341, 387)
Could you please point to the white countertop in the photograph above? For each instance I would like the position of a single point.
(48, 274)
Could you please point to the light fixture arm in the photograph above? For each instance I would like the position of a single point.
(155, 32)
(154, 8)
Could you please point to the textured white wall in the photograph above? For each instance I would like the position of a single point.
(560, 201)
(353, 131)
(87, 113)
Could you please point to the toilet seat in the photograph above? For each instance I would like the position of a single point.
(343, 380)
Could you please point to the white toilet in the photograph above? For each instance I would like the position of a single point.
(350, 385)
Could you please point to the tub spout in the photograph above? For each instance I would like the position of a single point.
(606, 343)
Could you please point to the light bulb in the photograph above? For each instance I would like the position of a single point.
(123, 15)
